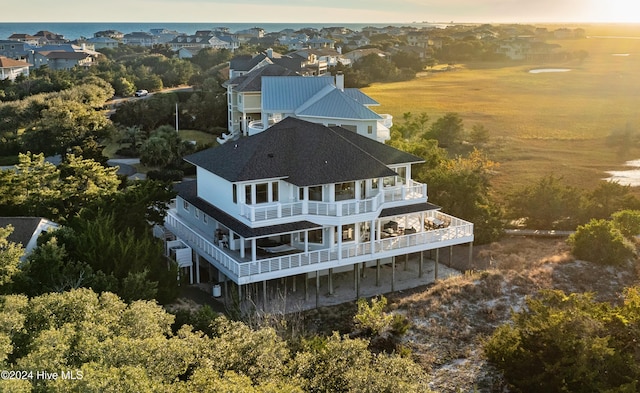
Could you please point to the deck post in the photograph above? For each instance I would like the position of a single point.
(393, 274)
(306, 287)
(377, 272)
(330, 281)
(435, 274)
(317, 289)
(420, 265)
(470, 255)
(264, 295)
(226, 291)
(357, 267)
(406, 262)
(450, 255)
(293, 285)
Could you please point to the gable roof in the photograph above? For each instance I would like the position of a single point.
(302, 153)
(6, 62)
(288, 93)
(332, 102)
(253, 80)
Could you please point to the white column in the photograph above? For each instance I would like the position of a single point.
(253, 249)
(339, 242)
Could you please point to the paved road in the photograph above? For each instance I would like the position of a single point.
(127, 168)
(115, 101)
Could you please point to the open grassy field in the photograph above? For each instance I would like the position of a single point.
(540, 124)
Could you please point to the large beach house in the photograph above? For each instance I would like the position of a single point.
(263, 90)
(302, 199)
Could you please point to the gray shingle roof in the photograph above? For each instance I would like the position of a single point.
(303, 153)
(23, 228)
(253, 80)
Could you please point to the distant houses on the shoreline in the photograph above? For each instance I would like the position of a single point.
(516, 42)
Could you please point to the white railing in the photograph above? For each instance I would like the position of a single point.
(270, 211)
(458, 232)
(387, 120)
(258, 126)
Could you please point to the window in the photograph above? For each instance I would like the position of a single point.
(185, 205)
(196, 213)
(205, 218)
(235, 193)
(247, 194)
(315, 193)
(350, 128)
(262, 193)
(345, 191)
(369, 129)
(402, 174)
(348, 233)
(389, 181)
(315, 236)
(274, 191)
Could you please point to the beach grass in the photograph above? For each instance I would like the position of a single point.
(540, 124)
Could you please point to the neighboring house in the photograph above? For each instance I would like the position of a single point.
(103, 42)
(15, 50)
(51, 38)
(11, 69)
(63, 57)
(419, 38)
(358, 54)
(61, 60)
(302, 200)
(201, 41)
(319, 43)
(26, 38)
(26, 231)
(254, 105)
(525, 49)
(244, 97)
(248, 34)
(140, 38)
(187, 53)
(114, 34)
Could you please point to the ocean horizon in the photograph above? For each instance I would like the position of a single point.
(72, 31)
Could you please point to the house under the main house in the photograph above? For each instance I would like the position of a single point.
(301, 199)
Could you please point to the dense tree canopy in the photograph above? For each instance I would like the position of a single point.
(118, 347)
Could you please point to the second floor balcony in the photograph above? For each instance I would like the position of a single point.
(413, 192)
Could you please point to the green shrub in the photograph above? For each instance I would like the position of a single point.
(600, 241)
(627, 222)
(569, 343)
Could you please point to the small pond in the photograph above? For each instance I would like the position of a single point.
(629, 177)
(541, 70)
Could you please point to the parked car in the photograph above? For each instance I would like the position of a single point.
(141, 93)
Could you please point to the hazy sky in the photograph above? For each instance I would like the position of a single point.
(322, 11)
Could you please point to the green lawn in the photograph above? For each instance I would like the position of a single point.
(548, 123)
